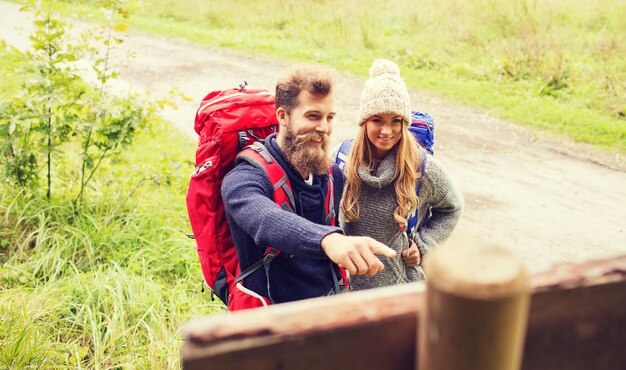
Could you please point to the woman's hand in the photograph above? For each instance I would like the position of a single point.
(411, 256)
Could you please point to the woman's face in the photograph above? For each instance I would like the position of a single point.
(383, 131)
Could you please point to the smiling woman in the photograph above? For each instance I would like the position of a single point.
(383, 131)
(384, 178)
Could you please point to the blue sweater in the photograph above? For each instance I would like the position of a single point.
(302, 270)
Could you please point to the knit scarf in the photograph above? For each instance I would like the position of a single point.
(383, 174)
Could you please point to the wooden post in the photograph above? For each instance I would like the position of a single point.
(476, 310)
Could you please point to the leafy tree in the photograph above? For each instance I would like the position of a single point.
(40, 116)
(55, 110)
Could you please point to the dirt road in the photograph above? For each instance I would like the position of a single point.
(547, 199)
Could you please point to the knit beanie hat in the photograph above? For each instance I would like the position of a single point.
(384, 92)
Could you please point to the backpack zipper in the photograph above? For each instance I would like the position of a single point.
(203, 167)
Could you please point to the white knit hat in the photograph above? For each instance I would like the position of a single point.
(384, 92)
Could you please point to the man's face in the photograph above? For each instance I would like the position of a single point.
(304, 133)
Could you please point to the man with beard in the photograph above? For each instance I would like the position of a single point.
(311, 251)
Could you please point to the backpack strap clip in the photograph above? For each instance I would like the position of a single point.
(270, 254)
(330, 218)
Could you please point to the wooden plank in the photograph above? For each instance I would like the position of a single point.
(324, 333)
(577, 320)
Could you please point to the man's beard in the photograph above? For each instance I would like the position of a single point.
(305, 157)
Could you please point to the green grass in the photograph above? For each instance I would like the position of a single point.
(109, 288)
(557, 65)
(109, 285)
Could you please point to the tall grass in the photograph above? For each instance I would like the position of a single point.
(109, 287)
(558, 65)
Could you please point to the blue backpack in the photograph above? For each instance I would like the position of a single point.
(423, 128)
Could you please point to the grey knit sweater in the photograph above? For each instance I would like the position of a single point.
(377, 203)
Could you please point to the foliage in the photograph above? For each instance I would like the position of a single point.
(112, 286)
(38, 117)
(56, 108)
(105, 281)
(556, 65)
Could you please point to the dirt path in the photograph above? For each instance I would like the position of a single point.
(547, 199)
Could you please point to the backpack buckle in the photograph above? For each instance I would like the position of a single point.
(268, 258)
(242, 138)
(329, 217)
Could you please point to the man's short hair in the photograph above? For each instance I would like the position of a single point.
(315, 80)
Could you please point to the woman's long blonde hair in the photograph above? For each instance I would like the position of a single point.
(408, 161)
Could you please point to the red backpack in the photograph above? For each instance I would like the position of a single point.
(228, 122)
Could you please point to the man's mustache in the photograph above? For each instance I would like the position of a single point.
(311, 136)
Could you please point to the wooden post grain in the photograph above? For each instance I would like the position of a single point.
(476, 310)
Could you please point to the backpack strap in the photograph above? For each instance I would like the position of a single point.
(422, 171)
(342, 153)
(331, 218)
(268, 257)
(258, 156)
(412, 220)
